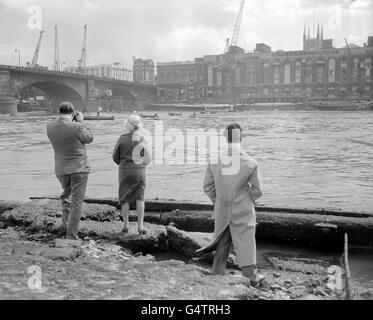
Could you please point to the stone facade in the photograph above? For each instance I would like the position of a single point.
(143, 71)
(266, 76)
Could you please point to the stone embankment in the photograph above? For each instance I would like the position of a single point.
(111, 265)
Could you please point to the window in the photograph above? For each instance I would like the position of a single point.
(355, 69)
(367, 68)
(276, 75)
(298, 74)
(331, 70)
(320, 74)
(287, 73)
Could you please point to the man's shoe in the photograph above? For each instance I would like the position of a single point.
(257, 281)
(251, 272)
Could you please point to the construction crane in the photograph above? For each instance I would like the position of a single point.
(56, 51)
(349, 59)
(34, 61)
(83, 59)
(236, 31)
(228, 66)
(226, 46)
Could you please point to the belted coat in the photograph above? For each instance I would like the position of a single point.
(234, 193)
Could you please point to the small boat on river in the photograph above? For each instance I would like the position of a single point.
(175, 114)
(154, 116)
(98, 118)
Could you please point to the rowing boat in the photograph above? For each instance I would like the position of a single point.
(95, 118)
(154, 116)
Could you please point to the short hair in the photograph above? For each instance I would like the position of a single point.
(232, 131)
(66, 108)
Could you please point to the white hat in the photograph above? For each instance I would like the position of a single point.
(133, 122)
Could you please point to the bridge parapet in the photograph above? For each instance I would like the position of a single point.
(85, 92)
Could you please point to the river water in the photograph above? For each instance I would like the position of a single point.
(307, 159)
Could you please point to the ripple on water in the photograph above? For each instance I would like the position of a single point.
(306, 158)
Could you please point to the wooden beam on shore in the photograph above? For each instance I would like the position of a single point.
(315, 229)
(346, 265)
(168, 205)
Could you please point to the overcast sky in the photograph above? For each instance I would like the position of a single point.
(172, 30)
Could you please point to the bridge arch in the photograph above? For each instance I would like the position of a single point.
(120, 99)
(58, 92)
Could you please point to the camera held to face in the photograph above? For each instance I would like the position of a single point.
(78, 116)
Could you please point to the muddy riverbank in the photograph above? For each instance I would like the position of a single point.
(159, 265)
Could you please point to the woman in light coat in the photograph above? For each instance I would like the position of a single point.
(233, 193)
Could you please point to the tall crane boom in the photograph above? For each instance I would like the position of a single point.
(349, 57)
(236, 31)
(56, 51)
(83, 57)
(34, 61)
(226, 46)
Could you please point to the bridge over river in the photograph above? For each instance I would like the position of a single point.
(84, 91)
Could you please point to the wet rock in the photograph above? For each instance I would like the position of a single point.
(275, 287)
(310, 297)
(194, 221)
(153, 241)
(266, 283)
(320, 292)
(44, 213)
(312, 283)
(298, 292)
(186, 242)
(239, 291)
(35, 251)
(151, 217)
(66, 253)
(64, 243)
(8, 205)
(105, 271)
(171, 263)
(288, 282)
(105, 250)
(42, 217)
(367, 295)
(99, 212)
(276, 275)
(296, 264)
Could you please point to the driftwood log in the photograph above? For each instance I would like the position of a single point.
(310, 227)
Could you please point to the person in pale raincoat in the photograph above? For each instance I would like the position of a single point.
(232, 184)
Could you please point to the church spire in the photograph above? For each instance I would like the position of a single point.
(309, 33)
(322, 31)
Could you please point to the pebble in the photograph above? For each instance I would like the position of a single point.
(298, 291)
(275, 287)
(320, 292)
(276, 275)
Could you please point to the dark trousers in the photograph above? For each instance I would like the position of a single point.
(74, 187)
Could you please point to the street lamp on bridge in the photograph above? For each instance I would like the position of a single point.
(19, 56)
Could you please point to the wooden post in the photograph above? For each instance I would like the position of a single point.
(347, 270)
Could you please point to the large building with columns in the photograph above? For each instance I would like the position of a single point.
(318, 72)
